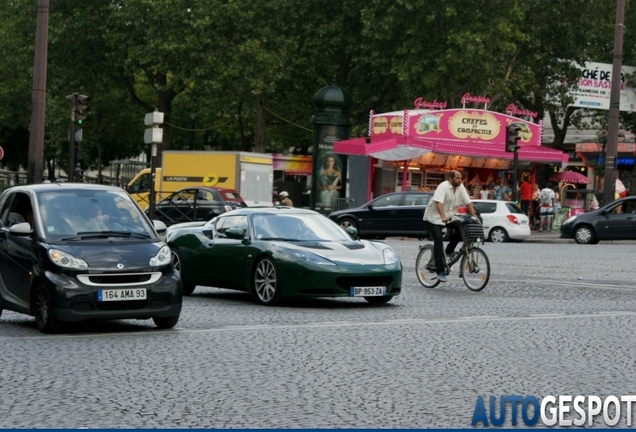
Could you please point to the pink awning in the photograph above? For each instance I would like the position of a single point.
(403, 148)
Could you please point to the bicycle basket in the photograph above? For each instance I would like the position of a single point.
(474, 231)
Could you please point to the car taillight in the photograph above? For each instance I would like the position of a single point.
(513, 219)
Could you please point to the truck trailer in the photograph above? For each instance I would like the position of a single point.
(250, 174)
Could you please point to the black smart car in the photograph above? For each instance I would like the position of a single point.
(615, 221)
(75, 252)
(393, 214)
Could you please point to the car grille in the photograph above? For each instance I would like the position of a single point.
(346, 282)
(122, 305)
(119, 279)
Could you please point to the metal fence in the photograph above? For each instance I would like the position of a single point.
(342, 203)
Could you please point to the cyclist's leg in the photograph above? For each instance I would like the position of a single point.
(456, 237)
(435, 233)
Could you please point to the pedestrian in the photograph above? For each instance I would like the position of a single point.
(484, 193)
(534, 210)
(285, 200)
(546, 208)
(526, 196)
(448, 196)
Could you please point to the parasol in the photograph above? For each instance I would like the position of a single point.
(569, 177)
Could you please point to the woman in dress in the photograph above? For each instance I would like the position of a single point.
(330, 181)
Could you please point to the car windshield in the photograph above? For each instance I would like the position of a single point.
(297, 227)
(81, 214)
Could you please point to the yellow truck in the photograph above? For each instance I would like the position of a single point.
(250, 174)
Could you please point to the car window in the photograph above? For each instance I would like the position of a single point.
(205, 195)
(231, 195)
(225, 223)
(485, 207)
(387, 201)
(416, 199)
(184, 195)
(623, 207)
(17, 210)
(514, 208)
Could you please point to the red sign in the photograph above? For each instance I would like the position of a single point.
(1, 153)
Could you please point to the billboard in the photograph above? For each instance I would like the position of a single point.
(594, 88)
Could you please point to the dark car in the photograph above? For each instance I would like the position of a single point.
(197, 204)
(277, 253)
(76, 252)
(615, 221)
(393, 214)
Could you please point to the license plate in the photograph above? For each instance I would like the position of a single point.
(121, 294)
(367, 291)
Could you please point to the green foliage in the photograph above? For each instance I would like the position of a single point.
(240, 75)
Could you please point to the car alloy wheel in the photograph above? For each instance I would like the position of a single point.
(498, 235)
(266, 286)
(348, 222)
(177, 261)
(45, 318)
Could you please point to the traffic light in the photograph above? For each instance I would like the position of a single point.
(512, 136)
(78, 100)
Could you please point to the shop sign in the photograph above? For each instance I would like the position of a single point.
(480, 125)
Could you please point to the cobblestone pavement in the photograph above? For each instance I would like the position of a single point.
(557, 318)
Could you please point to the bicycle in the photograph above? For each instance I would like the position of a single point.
(474, 266)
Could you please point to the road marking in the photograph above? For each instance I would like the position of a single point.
(336, 324)
(601, 285)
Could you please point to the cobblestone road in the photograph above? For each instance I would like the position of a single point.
(556, 318)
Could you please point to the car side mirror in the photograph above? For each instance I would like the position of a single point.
(20, 229)
(353, 233)
(160, 227)
(235, 233)
(370, 206)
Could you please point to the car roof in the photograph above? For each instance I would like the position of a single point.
(269, 210)
(210, 188)
(45, 187)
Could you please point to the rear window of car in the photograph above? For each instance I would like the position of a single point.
(486, 207)
(513, 208)
(231, 196)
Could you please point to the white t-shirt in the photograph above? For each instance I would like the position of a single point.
(484, 194)
(451, 198)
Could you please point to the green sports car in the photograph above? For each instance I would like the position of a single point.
(279, 252)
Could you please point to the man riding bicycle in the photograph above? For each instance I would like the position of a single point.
(447, 198)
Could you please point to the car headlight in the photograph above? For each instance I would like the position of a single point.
(163, 257)
(309, 257)
(390, 257)
(569, 220)
(66, 260)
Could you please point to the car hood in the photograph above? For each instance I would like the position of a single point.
(111, 256)
(354, 252)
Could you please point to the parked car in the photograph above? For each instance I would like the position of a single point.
(503, 220)
(75, 252)
(279, 252)
(196, 204)
(614, 221)
(393, 214)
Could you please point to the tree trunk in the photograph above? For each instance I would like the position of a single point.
(260, 144)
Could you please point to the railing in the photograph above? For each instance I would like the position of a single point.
(342, 203)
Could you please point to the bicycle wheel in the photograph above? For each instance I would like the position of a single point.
(475, 269)
(425, 267)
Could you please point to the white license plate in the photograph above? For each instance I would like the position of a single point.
(121, 294)
(367, 291)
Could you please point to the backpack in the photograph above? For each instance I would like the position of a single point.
(545, 197)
